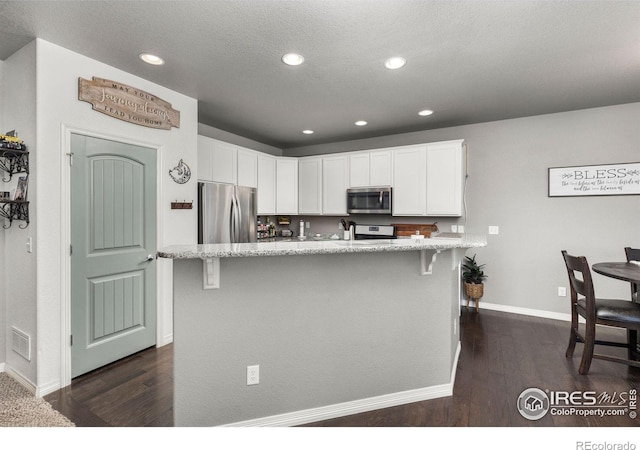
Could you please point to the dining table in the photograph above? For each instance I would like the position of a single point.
(625, 271)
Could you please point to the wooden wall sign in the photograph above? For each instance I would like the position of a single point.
(128, 103)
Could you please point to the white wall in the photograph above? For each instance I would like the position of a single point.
(19, 110)
(507, 186)
(3, 296)
(225, 136)
(59, 110)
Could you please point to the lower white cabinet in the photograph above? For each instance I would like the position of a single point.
(286, 185)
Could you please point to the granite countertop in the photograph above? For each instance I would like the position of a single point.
(285, 248)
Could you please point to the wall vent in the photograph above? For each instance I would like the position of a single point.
(21, 343)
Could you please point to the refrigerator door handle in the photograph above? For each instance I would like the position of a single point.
(232, 221)
(235, 214)
(239, 225)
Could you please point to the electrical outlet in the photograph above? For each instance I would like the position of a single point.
(454, 228)
(253, 375)
(562, 291)
(493, 229)
(460, 228)
(455, 327)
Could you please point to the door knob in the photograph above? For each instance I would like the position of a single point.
(150, 258)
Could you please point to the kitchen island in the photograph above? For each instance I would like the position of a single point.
(336, 327)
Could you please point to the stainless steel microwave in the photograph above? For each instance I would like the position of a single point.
(369, 200)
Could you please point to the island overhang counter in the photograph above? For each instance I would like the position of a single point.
(336, 328)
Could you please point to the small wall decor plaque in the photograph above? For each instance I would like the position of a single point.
(128, 103)
(608, 179)
(181, 173)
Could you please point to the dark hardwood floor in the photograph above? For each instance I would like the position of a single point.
(501, 355)
(136, 391)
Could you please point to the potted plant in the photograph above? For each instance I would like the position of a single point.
(473, 276)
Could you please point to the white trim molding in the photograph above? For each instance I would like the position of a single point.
(566, 317)
(356, 406)
(19, 378)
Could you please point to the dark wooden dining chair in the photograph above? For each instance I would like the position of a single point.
(633, 254)
(596, 311)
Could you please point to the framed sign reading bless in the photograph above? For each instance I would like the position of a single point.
(608, 179)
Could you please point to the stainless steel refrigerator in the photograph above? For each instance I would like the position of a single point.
(226, 213)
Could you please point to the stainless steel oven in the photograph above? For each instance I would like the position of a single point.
(369, 200)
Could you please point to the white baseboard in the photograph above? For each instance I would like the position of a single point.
(518, 310)
(356, 406)
(19, 378)
(46, 389)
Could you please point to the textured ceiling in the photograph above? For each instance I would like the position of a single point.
(469, 61)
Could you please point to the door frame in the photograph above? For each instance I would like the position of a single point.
(65, 228)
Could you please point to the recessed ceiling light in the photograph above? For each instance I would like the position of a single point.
(151, 59)
(395, 63)
(361, 123)
(307, 131)
(425, 112)
(292, 59)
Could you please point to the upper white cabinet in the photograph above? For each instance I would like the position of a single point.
(266, 184)
(217, 161)
(247, 168)
(371, 168)
(381, 168)
(335, 181)
(409, 194)
(427, 179)
(286, 185)
(310, 185)
(445, 178)
(359, 170)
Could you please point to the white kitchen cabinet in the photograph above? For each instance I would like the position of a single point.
(310, 185)
(217, 160)
(204, 159)
(286, 185)
(335, 181)
(445, 178)
(266, 184)
(371, 168)
(247, 168)
(359, 169)
(409, 195)
(381, 168)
